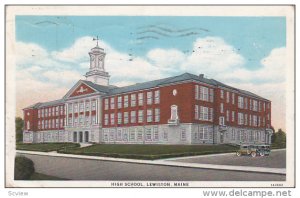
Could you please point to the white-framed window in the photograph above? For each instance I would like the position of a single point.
(232, 116)
(204, 93)
(221, 121)
(149, 97)
(125, 101)
(246, 119)
(246, 103)
(125, 134)
(174, 112)
(119, 118)
(196, 112)
(50, 124)
(250, 120)
(46, 112)
(255, 105)
(133, 117)
(149, 115)
(141, 116)
(221, 108)
(43, 126)
(264, 121)
(49, 114)
(39, 113)
(211, 95)
(204, 113)
(259, 106)
(183, 134)
(202, 134)
(222, 93)
(56, 123)
(46, 124)
(233, 98)
(133, 100)
(259, 120)
(28, 125)
(232, 134)
(251, 136)
(148, 134)
(81, 119)
(210, 114)
(39, 124)
(70, 121)
(155, 134)
(157, 115)
(264, 105)
(119, 102)
(112, 118)
(196, 92)
(132, 134)
(53, 111)
(93, 119)
(112, 135)
(157, 97)
(227, 97)
(112, 103)
(227, 116)
(254, 120)
(105, 119)
(141, 99)
(125, 117)
(75, 108)
(119, 134)
(240, 102)
(105, 135)
(61, 110)
(42, 113)
(240, 118)
(81, 107)
(165, 135)
(70, 108)
(140, 134)
(106, 104)
(87, 120)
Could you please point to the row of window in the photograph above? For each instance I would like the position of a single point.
(82, 120)
(81, 106)
(51, 111)
(203, 113)
(243, 135)
(245, 119)
(203, 133)
(132, 100)
(135, 116)
(254, 105)
(51, 124)
(204, 93)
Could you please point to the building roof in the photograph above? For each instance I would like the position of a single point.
(113, 90)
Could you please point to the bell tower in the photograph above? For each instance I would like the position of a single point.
(97, 73)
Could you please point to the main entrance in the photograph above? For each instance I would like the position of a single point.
(80, 136)
(86, 136)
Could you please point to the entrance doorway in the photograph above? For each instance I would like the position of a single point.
(86, 136)
(221, 138)
(75, 136)
(80, 136)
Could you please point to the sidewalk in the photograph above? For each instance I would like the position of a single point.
(281, 171)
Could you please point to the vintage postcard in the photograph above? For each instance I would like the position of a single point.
(150, 96)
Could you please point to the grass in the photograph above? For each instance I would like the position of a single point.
(46, 147)
(148, 152)
(40, 176)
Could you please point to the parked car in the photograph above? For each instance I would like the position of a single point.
(253, 150)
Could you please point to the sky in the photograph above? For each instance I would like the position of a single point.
(244, 52)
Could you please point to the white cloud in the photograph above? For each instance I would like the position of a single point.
(166, 57)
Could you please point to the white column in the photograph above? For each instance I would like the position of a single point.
(84, 113)
(96, 111)
(90, 114)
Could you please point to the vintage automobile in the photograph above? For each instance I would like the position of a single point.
(253, 150)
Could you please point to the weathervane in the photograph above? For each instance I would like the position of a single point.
(96, 39)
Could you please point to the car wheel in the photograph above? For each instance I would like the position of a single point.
(248, 152)
(253, 154)
(238, 153)
(262, 154)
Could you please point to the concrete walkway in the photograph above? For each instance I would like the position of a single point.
(281, 171)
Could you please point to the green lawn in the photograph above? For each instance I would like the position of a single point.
(149, 152)
(40, 176)
(46, 147)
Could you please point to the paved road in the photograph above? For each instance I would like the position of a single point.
(87, 169)
(277, 159)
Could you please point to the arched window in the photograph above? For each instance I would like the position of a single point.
(174, 115)
(28, 125)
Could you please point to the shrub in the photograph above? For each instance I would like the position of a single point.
(24, 168)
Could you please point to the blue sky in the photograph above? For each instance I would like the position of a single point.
(246, 52)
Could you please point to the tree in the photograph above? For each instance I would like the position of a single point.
(280, 139)
(19, 129)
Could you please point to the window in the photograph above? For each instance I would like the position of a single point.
(61, 110)
(106, 104)
(65, 108)
(39, 125)
(155, 133)
(221, 108)
(112, 118)
(42, 124)
(149, 115)
(202, 134)
(125, 134)
(254, 120)
(46, 112)
(119, 102)
(50, 124)
(70, 121)
(49, 113)
(203, 93)
(75, 108)
(105, 119)
(93, 119)
(222, 93)
(227, 96)
(174, 115)
(111, 135)
(112, 103)
(140, 134)
(203, 113)
(221, 121)
(81, 107)
(132, 134)
(81, 119)
(56, 123)
(133, 100)
(210, 115)
(264, 106)
(105, 135)
(233, 134)
(119, 118)
(42, 113)
(196, 92)
(119, 134)
(240, 102)
(246, 103)
(141, 99)
(196, 112)
(232, 98)
(125, 101)
(250, 105)
(183, 134)
(125, 117)
(250, 120)
(39, 113)
(28, 125)
(53, 111)
(259, 106)
(165, 135)
(227, 116)
(87, 120)
(157, 97)
(149, 98)
(148, 134)
(264, 121)
(245, 119)
(240, 119)
(268, 116)
(70, 108)
(141, 112)
(157, 115)
(133, 116)
(259, 121)
(211, 95)
(255, 107)
(232, 116)
(46, 124)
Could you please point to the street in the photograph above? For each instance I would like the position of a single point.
(88, 169)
